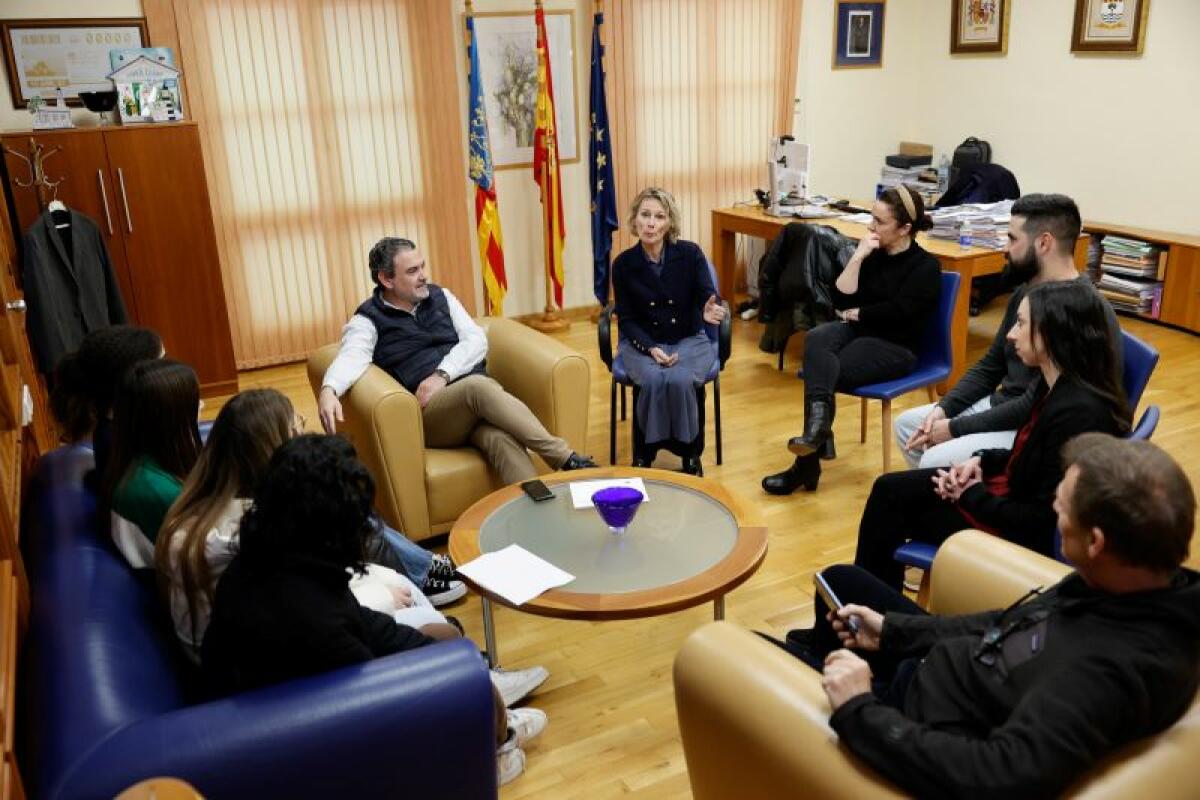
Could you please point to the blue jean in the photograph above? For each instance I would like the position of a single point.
(414, 560)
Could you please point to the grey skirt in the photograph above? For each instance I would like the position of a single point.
(666, 407)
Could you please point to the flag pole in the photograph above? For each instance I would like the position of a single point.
(470, 12)
(551, 319)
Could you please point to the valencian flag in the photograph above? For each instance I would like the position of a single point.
(487, 216)
(604, 192)
(545, 161)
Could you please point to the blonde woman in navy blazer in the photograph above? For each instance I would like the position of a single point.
(664, 298)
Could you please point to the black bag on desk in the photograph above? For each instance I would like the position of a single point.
(971, 151)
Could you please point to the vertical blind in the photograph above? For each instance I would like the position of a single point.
(697, 89)
(325, 127)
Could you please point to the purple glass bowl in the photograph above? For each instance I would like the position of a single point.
(617, 506)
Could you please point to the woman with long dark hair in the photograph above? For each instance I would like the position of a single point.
(155, 443)
(283, 608)
(884, 299)
(1062, 331)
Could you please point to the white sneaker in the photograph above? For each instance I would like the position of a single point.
(516, 684)
(526, 724)
(510, 761)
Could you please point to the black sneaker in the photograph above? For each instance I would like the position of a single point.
(442, 592)
(577, 461)
(441, 584)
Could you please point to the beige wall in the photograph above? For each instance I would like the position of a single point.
(518, 196)
(18, 118)
(1042, 108)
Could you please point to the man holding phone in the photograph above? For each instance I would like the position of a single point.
(1020, 702)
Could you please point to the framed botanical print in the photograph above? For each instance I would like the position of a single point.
(1110, 26)
(508, 66)
(858, 34)
(979, 26)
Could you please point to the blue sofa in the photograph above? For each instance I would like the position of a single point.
(106, 698)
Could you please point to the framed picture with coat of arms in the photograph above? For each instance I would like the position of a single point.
(979, 26)
(1110, 26)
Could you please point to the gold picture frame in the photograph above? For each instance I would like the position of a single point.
(1115, 27)
(979, 27)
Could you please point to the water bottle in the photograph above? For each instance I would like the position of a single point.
(964, 235)
(943, 174)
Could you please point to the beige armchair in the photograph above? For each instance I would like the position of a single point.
(755, 721)
(421, 491)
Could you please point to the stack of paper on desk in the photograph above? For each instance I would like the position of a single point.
(515, 574)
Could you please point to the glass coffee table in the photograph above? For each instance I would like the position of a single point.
(691, 542)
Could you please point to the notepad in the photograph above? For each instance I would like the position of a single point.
(582, 491)
(515, 574)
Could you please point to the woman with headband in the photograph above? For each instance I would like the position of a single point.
(884, 298)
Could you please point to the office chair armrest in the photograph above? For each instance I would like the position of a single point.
(604, 335)
(725, 335)
(755, 723)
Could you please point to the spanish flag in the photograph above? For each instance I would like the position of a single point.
(545, 161)
(487, 217)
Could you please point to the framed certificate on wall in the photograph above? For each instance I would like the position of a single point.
(44, 55)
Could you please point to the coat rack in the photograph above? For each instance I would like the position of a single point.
(37, 172)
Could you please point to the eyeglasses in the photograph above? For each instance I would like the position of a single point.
(993, 638)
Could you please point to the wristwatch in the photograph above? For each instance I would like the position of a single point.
(445, 375)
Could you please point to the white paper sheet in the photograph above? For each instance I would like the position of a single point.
(515, 574)
(582, 491)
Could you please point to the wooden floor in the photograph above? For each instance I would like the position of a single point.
(613, 730)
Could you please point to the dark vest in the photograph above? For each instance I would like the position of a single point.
(410, 346)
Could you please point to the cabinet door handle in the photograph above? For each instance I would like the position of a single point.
(15, 305)
(125, 200)
(104, 199)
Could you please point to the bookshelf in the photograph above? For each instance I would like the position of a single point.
(1171, 260)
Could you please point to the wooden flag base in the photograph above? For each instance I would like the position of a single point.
(551, 321)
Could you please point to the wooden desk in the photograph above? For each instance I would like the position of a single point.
(751, 221)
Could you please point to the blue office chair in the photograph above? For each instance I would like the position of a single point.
(721, 335)
(934, 359)
(1138, 361)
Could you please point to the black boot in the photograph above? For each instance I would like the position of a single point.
(828, 451)
(692, 466)
(818, 428)
(805, 471)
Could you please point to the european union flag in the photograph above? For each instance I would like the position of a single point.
(604, 195)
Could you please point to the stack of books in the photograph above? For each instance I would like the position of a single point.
(1131, 274)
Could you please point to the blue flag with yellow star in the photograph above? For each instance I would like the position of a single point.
(604, 195)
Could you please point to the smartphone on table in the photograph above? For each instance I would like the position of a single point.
(537, 490)
(832, 600)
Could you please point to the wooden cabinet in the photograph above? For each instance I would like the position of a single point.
(144, 186)
(1181, 282)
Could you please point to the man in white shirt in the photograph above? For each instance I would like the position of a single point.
(421, 335)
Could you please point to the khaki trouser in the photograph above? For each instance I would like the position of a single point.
(477, 410)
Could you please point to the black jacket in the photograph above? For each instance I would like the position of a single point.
(291, 618)
(1026, 514)
(661, 310)
(800, 266)
(1080, 674)
(69, 294)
